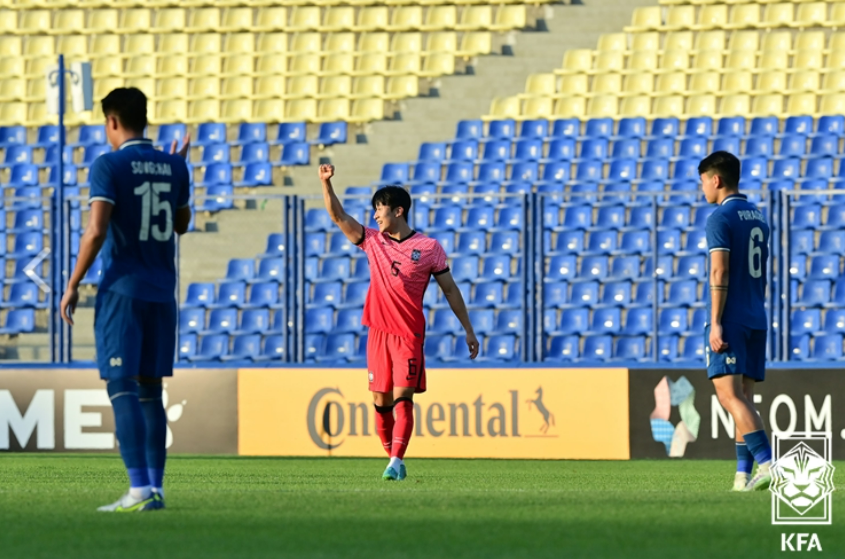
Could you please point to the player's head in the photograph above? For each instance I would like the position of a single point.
(391, 205)
(125, 109)
(719, 175)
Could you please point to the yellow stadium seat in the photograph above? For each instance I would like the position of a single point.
(443, 41)
(504, 107)
(240, 43)
(537, 107)
(236, 110)
(609, 62)
(834, 81)
(645, 18)
(204, 110)
(372, 18)
(338, 18)
(368, 86)
(173, 65)
(68, 21)
(371, 63)
(741, 60)
(305, 64)
(367, 110)
(680, 40)
(11, 46)
(638, 84)
(207, 65)
(808, 59)
(645, 42)
(338, 63)
(340, 42)
(405, 63)
(331, 110)
(197, 88)
(34, 21)
(147, 85)
(137, 20)
(810, 40)
(239, 87)
(104, 86)
(832, 103)
(704, 82)
(171, 111)
(301, 109)
(440, 18)
(37, 114)
(805, 80)
(304, 87)
(104, 45)
(401, 87)
(335, 86)
(837, 16)
(679, 17)
(674, 60)
(406, 42)
(768, 104)
(374, 42)
(271, 64)
(773, 60)
(777, 40)
(307, 43)
(737, 82)
(206, 43)
(475, 17)
(12, 66)
(710, 40)
(612, 41)
(541, 85)
(273, 43)
(571, 107)
(575, 84)
(674, 83)
(237, 19)
(39, 45)
(139, 44)
(275, 19)
(142, 65)
(576, 61)
(107, 66)
(812, 14)
(635, 105)
(203, 19)
(406, 18)
(510, 17)
(239, 65)
(745, 40)
(642, 61)
(707, 60)
(712, 16)
(102, 21)
(12, 89)
(735, 105)
(671, 105)
(173, 88)
(268, 110)
(13, 113)
(173, 43)
(604, 84)
(836, 60)
(438, 64)
(801, 104)
(778, 15)
(701, 105)
(8, 22)
(267, 87)
(603, 106)
(744, 16)
(38, 66)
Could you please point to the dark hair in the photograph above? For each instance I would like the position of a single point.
(129, 105)
(724, 164)
(393, 197)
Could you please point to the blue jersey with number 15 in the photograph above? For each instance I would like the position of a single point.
(737, 226)
(145, 186)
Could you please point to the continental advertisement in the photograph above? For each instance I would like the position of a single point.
(466, 413)
(675, 412)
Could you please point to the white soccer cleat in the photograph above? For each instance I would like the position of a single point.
(128, 503)
(740, 481)
(761, 480)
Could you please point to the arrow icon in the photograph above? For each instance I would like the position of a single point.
(29, 270)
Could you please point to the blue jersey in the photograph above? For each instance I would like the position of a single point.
(146, 186)
(737, 226)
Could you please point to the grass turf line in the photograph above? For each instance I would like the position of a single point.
(266, 507)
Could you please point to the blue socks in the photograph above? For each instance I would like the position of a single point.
(156, 423)
(758, 446)
(131, 431)
(744, 459)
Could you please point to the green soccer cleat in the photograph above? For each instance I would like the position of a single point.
(740, 481)
(159, 498)
(128, 503)
(403, 473)
(390, 475)
(761, 481)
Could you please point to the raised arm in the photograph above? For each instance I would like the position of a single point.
(353, 230)
(456, 302)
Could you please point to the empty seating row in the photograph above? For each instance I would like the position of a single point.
(601, 348)
(739, 16)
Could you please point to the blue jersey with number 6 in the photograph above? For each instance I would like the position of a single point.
(145, 186)
(737, 226)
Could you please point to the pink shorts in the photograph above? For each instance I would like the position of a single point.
(394, 361)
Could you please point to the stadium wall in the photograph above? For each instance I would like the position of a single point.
(529, 413)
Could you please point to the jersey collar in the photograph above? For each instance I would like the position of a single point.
(136, 142)
(734, 197)
(411, 234)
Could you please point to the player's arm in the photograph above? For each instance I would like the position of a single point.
(89, 246)
(353, 230)
(719, 283)
(182, 220)
(456, 302)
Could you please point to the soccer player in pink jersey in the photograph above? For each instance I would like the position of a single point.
(402, 262)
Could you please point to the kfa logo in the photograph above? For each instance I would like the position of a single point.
(415, 255)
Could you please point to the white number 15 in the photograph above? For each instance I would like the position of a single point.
(155, 208)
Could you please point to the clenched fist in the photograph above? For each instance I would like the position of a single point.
(326, 172)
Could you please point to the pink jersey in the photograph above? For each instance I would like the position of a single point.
(399, 275)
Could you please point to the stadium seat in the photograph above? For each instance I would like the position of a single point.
(805, 321)
(597, 348)
(630, 349)
(500, 348)
(230, 294)
(439, 347)
(319, 320)
(23, 295)
(187, 346)
(221, 321)
(827, 347)
(263, 295)
(348, 321)
(244, 348)
(212, 348)
(563, 348)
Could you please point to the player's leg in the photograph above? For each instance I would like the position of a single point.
(117, 337)
(381, 385)
(408, 379)
(757, 441)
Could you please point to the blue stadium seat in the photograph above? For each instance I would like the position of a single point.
(254, 321)
(552, 191)
(336, 268)
(395, 173)
(654, 170)
(761, 146)
(317, 219)
(504, 242)
(668, 241)
(214, 153)
(802, 124)
(799, 347)
(510, 218)
(528, 149)
(597, 348)
(644, 295)
(314, 344)
(686, 169)
(23, 295)
(693, 349)
(594, 267)
(626, 149)
(616, 294)
(699, 126)
(276, 244)
(566, 127)
(601, 242)
(629, 349)
(789, 168)
(831, 124)
(838, 299)
(497, 150)
(694, 147)
(48, 134)
(832, 242)
(504, 128)
(240, 269)
(469, 129)
(560, 150)
(616, 193)
(456, 194)
(820, 168)
(293, 154)
(827, 347)
(675, 217)
(331, 133)
(446, 240)
(731, 126)
(824, 266)
(230, 294)
(562, 348)
(27, 220)
(263, 295)
(210, 133)
(599, 128)
(701, 215)
(439, 348)
(311, 268)
(445, 322)
(251, 132)
(641, 217)
(277, 326)
(589, 170)
(798, 267)
(555, 294)
(727, 143)
(660, 148)
(257, 174)
(625, 267)
(327, 294)
(507, 321)
(199, 295)
(448, 218)
(360, 356)
(23, 175)
(806, 217)
(339, 347)
(244, 348)
(432, 151)
(465, 151)
(289, 133)
(632, 127)
(665, 127)
(498, 268)
(465, 268)
(426, 173)
(500, 348)
(684, 293)
(166, 134)
(221, 321)
(218, 198)
(355, 295)
(187, 346)
(691, 267)
(667, 348)
(824, 145)
(319, 320)
(537, 128)
(673, 321)
(834, 321)
(525, 171)
(420, 217)
(489, 190)
(568, 242)
(815, 293)
(639, 321)
(191, 320)
(216, 174)
(10, 135)
(27, 244)
(622, 170)
(212, 348)
(690, 190)
(69, 172)
(315, 244)
(459, 172)
(17, 155)
(92, 134)
(492, 171)
(801, 242)
(606, 321)
(805, 321)
(577, 217)
(573, 321)
(792, 145)
(584, 294)
(487, 294)
(764, 126)
(594, 148)
(561, 267)
(92, 152)
(756, 168)
(348, 321)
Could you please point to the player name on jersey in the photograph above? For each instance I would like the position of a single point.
(150, 168)
(750, 215)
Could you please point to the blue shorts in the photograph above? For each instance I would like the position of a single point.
(134, 337)
(746, 353)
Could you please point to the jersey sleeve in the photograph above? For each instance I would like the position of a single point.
(366, 235)
(718, 234)
(440, 264)
(184, 198)
(102, 182)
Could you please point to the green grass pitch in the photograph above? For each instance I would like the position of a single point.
(251, 507)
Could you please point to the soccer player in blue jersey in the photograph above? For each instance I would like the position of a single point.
(735, 335)
(139, 198)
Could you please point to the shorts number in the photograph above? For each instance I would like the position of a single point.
(412, 369)
(152, 205)
(755, 253)
(394, 268)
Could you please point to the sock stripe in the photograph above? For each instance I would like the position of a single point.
(119, 394)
